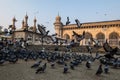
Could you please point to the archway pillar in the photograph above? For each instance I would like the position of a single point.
(82, 42)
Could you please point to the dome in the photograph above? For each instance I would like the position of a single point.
(58, 18)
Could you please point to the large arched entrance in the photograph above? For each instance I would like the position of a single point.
(113, 39)
(100, 37)
(66, 36)
(87, 38)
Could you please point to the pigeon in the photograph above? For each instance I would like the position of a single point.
(78, 23)
(65, 68)
(106, 68)
(36, 64)
(52, 64)
(100, 70)
(88, 64)
(2, 61)
(67, 22)
(72, 66)
(41, 69)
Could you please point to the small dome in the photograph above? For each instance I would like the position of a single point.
(58, 18)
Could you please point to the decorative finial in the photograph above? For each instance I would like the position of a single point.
(26, 16)
(35, 19)
(14, 19)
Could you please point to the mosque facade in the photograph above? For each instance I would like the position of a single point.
(100, 31)
(27, 33)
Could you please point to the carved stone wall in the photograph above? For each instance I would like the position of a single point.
(106, 28)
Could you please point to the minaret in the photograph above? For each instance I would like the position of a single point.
(26, 22)
(58, 26)
(13, 25)
(23, 24)
(34, 27)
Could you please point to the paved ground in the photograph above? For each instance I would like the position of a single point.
(22, 71)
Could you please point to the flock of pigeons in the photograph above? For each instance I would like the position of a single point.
(68, 60)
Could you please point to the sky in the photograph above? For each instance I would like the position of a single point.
(46, 10)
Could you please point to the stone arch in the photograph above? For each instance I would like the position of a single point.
(113, 35)
(100, 37)
(66, 36)
(29, 37)
(87, 38)
(113, 38)
(88, 35)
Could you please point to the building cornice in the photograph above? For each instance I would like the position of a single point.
(102, 24)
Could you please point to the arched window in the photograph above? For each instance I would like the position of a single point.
(29, 37)
(113, 35)
(87, 38)
(113, 39)
(66, 36)
(88, 35)
(100, 37)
